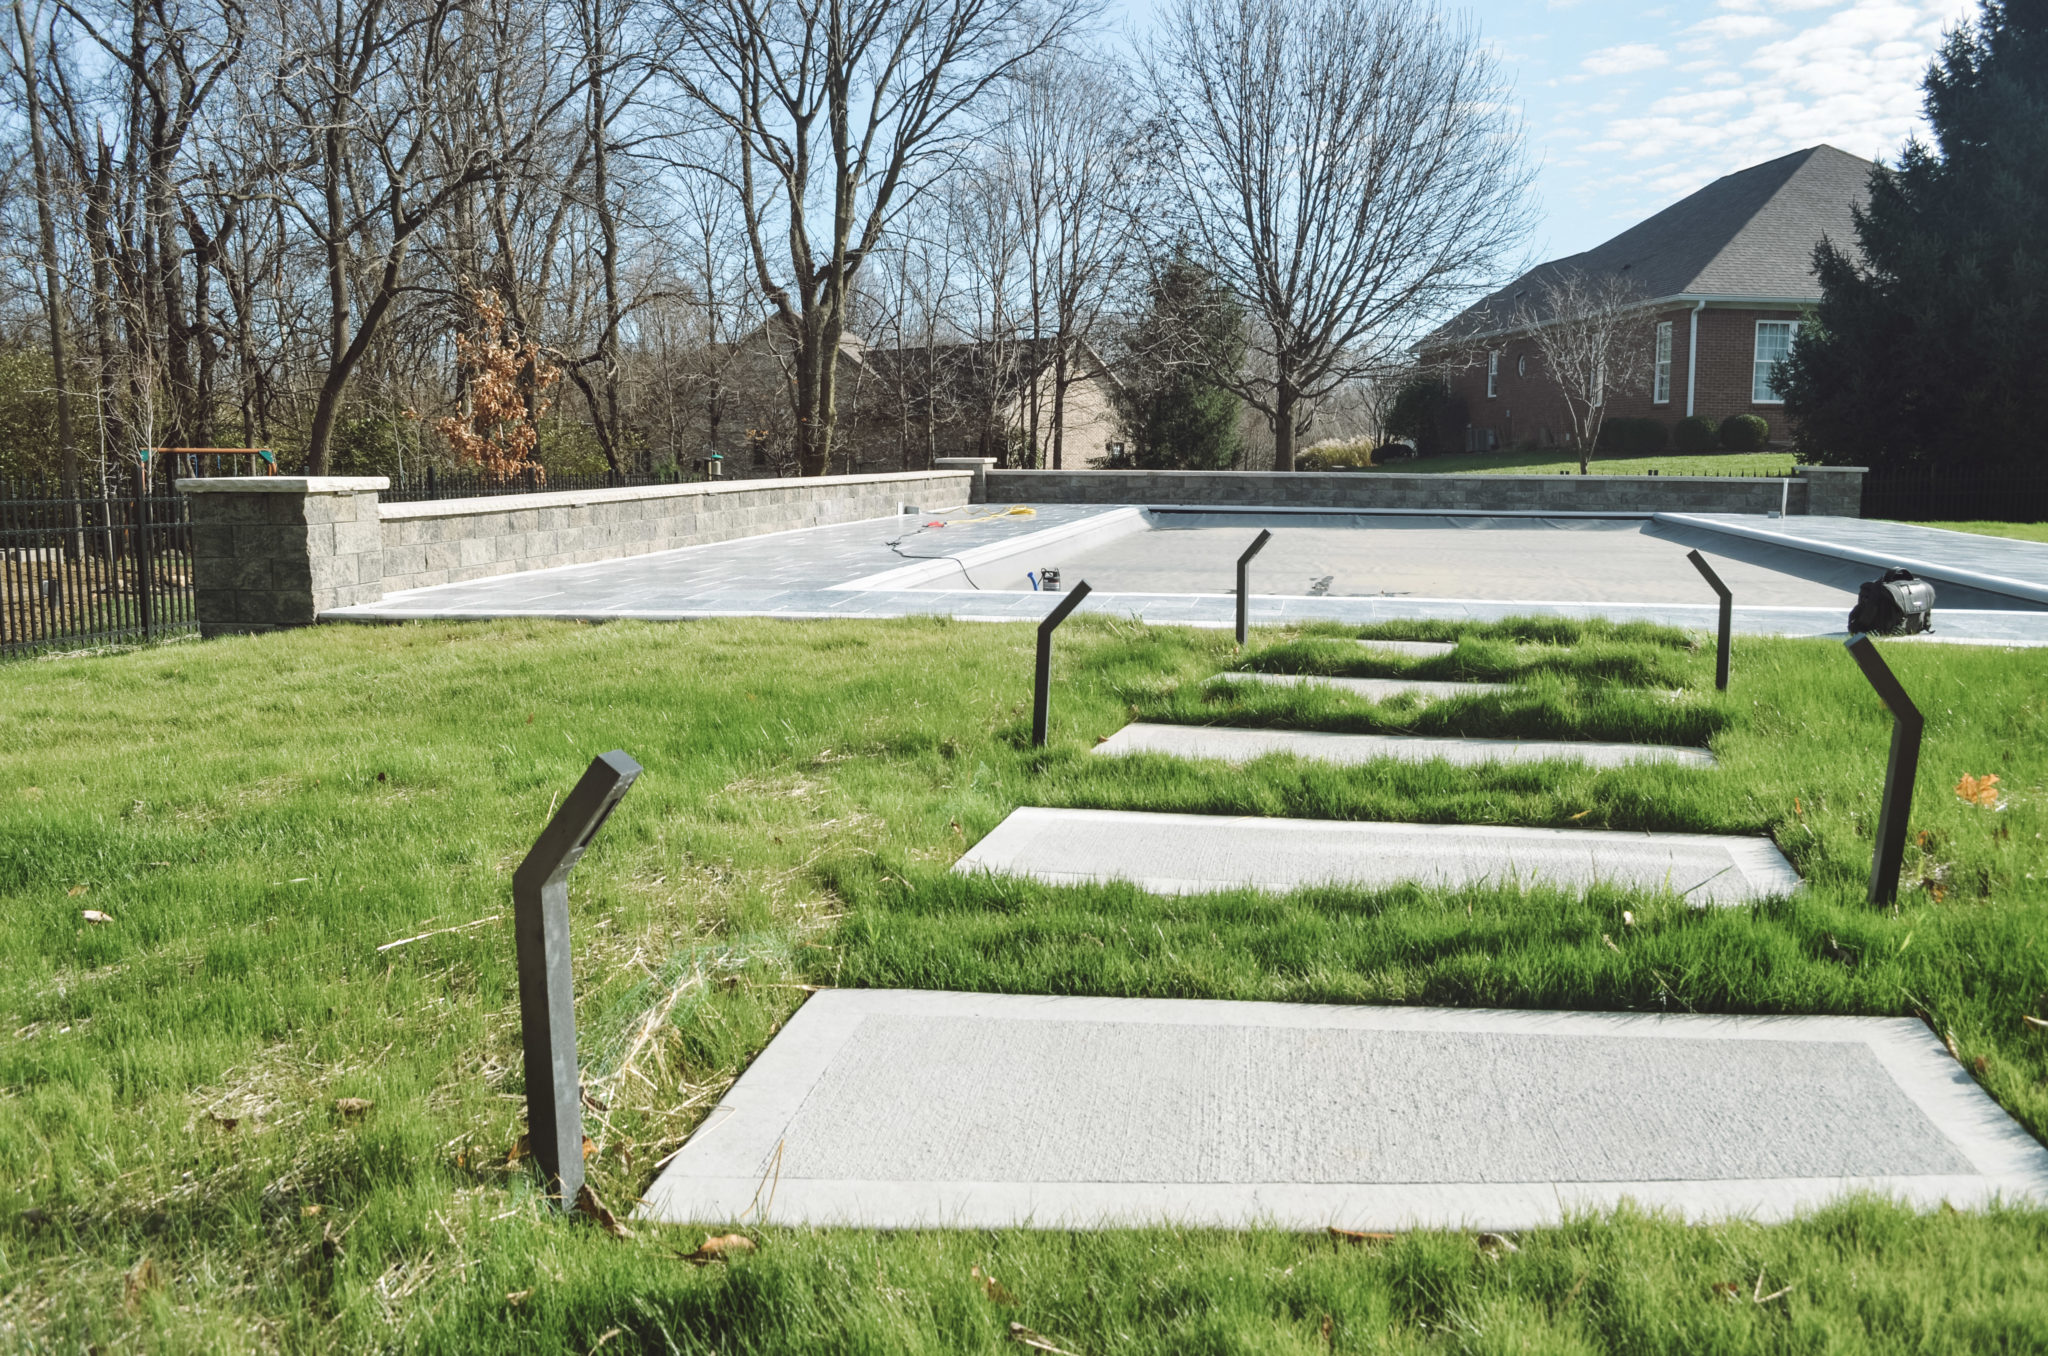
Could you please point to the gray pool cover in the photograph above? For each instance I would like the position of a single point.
(901, 1109)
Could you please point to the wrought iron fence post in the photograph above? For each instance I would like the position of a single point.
(1244, 578)
(143, 609)
(1699, 562)
(1899, 770)
(1041, 690)
(547, 994)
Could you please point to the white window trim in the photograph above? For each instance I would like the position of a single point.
(1493, 374)
(1756, 342)
(1660, 387)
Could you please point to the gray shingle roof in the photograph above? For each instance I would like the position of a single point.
(1747, 234)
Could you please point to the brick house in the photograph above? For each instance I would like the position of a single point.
(1728, 275)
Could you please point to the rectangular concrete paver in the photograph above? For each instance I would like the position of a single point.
(1174, 854)
(1411, 649)
(1234, 745)
(1372, 689)
(905, 1109)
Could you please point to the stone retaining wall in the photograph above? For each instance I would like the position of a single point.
(448, 541)
(1833, 490)
(275, 551)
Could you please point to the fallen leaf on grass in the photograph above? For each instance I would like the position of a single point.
(587, 1203)
(95, 916)
(1495, 1245)
(77, 890)
(718, 1248)
(1360, 1236)
(142, 1278)
(1580, 815)
(515, 1298)
(227, 1123)
(1981, 791)
(353, 1106)
(992, 1287)
(1610, 942)
(1023, 1336)
(518, 1151)
(308, 1211)
(589, 1147)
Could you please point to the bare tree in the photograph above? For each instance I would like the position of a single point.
(1593, 336)
(841, 111)
(1349, 167)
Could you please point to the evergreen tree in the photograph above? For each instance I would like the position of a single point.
(1934, 345)
(1174, 414)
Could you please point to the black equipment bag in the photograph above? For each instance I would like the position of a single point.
(1897, 604)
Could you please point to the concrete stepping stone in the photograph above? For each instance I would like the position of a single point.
(1411, 649)
(1372, 689)
(901, 1109)
(1235, 745)
(1175, 854)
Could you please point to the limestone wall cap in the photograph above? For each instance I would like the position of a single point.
(282, 484)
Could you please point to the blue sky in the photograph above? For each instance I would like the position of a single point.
(1629, 108)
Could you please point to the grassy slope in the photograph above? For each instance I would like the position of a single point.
(258, 816)
(2018, 531)
(1551, 461)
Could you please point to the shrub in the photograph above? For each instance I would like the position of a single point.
(1633, 437)
(1744, 433)
(1387, 452)
(1695, 434)
(1425, 413)
(1335, 457)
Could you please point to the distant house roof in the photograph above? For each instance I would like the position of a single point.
(1747, 235)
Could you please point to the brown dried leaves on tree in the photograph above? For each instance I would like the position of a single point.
(508, 383)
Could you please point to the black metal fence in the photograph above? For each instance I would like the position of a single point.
(99, 569)
(1933, 494)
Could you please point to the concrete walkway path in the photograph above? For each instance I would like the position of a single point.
(1372, 689)
(1235, 745)
(1177, 854)
(890, 1109)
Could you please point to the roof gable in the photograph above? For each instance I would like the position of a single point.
(1747, 234)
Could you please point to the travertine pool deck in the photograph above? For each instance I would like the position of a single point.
(807, 573)
(1180, 854)
(899, 1109)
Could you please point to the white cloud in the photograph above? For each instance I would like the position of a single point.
(1737, 26)
(1629, 56)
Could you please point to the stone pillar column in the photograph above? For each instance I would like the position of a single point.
(1836, 491)
(276, 551)
(978, 493)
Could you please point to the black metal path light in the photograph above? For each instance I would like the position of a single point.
(547, 995)
(1699, 562)
(1244, 579)
(1899, 770)
(1041, 689)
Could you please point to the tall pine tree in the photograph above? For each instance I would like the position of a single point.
(1174, 414)
(1933, 346)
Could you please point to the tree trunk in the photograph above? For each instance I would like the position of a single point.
(1285, 397)
(53, 297)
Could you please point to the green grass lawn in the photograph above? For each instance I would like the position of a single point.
(2017, 531)
(259, 816)
(1551, 461)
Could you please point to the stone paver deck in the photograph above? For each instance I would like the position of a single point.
(801, 574)
(1177, 854)
(1999, 565)
(891, 1109)
(1234, 745)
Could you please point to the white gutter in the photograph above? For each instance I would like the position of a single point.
(1692, 354)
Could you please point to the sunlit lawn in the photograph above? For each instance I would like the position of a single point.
(257, 817)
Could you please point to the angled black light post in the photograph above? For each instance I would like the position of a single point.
(547, 997)
(1899, 769)
(1041, 690)
(1244, 579)
(1699, 562)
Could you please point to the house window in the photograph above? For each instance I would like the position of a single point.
(1660, 392)
(1492, 373)
(1773, 346)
